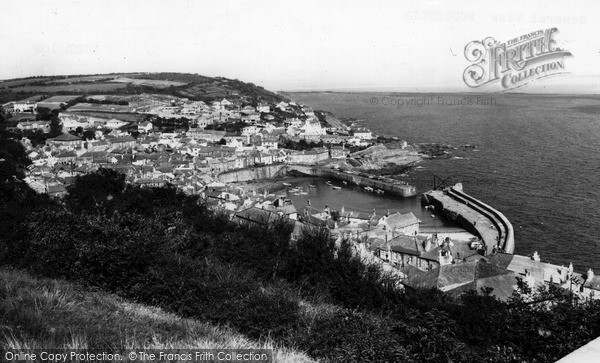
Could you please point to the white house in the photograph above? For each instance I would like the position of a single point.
(263, 107)
(25, 106)
(234, 141)
(362, 134)
(311, 129)
(115, 124)
(269, 142)
(251, 130)
(34, 125)
(145, 126)
(406, 224)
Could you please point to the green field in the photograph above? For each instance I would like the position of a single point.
(155, 83)
(128, 117)
(93, 107)
(61, 99)
(72, 88)
(20, 82)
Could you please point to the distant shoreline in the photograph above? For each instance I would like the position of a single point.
(444, 92)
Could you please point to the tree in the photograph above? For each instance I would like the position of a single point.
(89, 135)
(14, 159)
(55, 127)
(95, 189)
(37, 137)
(43, 113)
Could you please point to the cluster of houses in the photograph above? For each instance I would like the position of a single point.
(447, 262)
(425, 259)
(189, 159)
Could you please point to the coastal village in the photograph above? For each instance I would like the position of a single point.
(216, 149)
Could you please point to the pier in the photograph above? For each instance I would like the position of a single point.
(392, 187)
(492, 226)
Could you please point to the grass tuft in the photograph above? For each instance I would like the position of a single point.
(44, 313)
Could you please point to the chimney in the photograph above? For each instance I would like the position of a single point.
(428, 245)
(536, 256)
(388, 249)
(529, 279)
(590, 274)
(570, 272)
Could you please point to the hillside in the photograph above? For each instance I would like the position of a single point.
(186, 85)
(38, 313)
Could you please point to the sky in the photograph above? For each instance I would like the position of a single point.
(413, 46)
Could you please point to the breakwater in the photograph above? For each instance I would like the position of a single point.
(475, 216)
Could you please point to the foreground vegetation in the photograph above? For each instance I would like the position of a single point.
(42, 313)
(168, 250)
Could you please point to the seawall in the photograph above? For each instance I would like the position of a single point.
(256, 173)
(475, 216)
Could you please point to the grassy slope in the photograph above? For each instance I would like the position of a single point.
(41, 313)
(188, 85)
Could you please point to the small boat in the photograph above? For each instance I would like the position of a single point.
(379, 191)
(345, 182)
(302, 193)
(368, 189)
(433, 216)
(312, 186)
(336, 188)
(328, 183)
(287, 184)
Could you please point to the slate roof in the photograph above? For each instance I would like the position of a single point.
(66, 137)
(256, 215)
(398, 220)
(461, 277)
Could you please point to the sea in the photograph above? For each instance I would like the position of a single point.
(537, 160)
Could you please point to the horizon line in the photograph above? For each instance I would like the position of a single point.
(361, 90)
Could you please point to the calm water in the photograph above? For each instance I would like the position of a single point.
(354, 198)
(538, 160)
